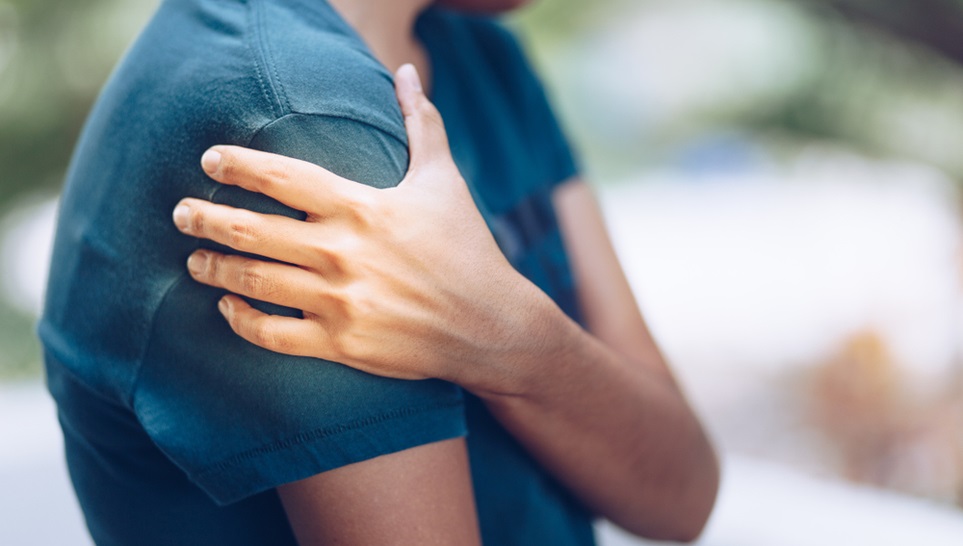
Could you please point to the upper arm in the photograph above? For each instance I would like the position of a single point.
(605, 298)
(420, 496)
(239, 419)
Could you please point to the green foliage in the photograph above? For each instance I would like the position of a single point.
(54, 56)
(864, 78)
(21, 350)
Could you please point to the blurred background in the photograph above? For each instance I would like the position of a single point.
(783, 183)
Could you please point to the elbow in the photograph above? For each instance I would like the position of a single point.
(692, 529)
(685, 519)
(686, 531)
(680, 536)
(682, 527)
(682, 530)
(692, 522)
(701, 490)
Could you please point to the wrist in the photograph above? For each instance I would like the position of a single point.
(533, 336)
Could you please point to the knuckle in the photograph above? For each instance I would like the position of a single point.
(195, 221)
(429, 112)
(337, 265)
(279, 342)
(268, 336)
(227, 167)
(262, 334)
(426, 108)
(337, 349)
(327, 258)
(339, 323)
(276, 172)
(336, 305)
(361, 208)
(435, 125)
(251, 278)
(350, 324)
(356, 347)
(345, 348)
(431, 115)
(359, 308)
(242, 231)
(212, 269)
(348, 351)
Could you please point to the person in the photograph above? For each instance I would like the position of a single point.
(541, 401)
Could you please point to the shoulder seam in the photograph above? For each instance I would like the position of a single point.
(269, 60)
(333, 115)
(273, 92)
(135, 384)
(313, 115)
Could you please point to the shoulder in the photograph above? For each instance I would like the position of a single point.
(254, 61)
(259, 73)
(317, 65)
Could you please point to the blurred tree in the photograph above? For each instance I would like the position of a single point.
(21, 350)
(54, 56)
(937, 24)
(57, 56)
(888, 82)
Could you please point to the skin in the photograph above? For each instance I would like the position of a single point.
(417, 496)
(381, 290)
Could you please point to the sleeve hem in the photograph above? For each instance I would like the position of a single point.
(313, 452)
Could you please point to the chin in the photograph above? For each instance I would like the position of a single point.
(483, 6)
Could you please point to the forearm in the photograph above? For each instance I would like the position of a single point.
(409, 283)
(622, 439)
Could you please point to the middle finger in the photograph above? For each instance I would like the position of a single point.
(269, 235)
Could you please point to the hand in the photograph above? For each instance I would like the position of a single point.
(405, 282)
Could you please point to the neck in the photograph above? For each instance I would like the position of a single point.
(387, 27)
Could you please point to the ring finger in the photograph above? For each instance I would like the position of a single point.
(273, 282)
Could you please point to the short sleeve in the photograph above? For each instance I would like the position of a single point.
(239, 419)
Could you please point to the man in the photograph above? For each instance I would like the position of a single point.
(179, 431)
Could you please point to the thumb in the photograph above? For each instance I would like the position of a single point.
(427, 140)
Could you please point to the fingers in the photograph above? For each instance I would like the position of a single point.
(427, 139)
(275, 333)
(298, 184)
(272, 282)
(272, 236)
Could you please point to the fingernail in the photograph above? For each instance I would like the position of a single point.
(409, 73)
(210, 160)
(181, 214)
(225, 306)
(197, 263)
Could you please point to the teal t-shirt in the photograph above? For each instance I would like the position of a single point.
(176, 430)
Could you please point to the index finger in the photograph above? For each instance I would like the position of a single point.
(298, 184)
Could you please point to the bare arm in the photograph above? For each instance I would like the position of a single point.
(420, 496)
(600, 407)
(409, 283)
